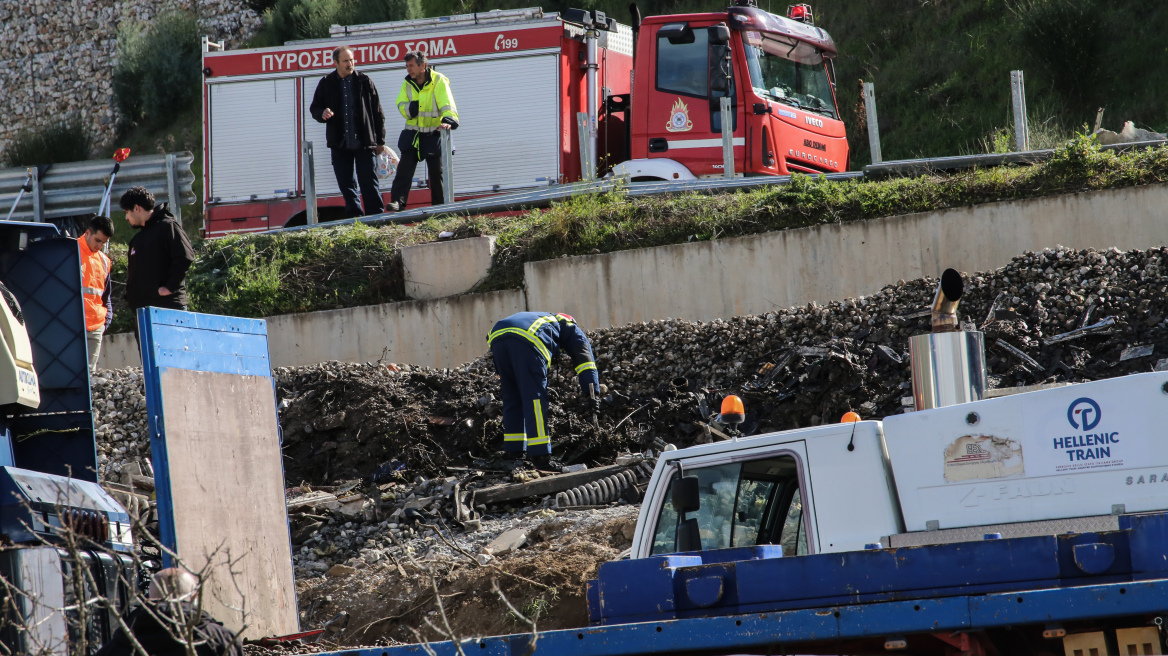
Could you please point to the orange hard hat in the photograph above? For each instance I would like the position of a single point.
(849, 417)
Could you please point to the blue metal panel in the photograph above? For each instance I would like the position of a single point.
(737, 554)
(1149, 543)
(901, 617)
(6, 455)
(641, 587)
(198, 342)
(726, 634)
(1065, 604)
(1094, 554)
(46, 279)
(43, 272)
(592, 596)
(65, 448)
(772, 631)
(203, 342)
(900, 571)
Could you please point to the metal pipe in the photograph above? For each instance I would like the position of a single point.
(945, 300)
(727, 138)
(1021, 122)
(587, 161)
(591, 39)
(27, 186)
(308, 166)
(947, 368)
(172, 186)
(873, 124)
(447, 167)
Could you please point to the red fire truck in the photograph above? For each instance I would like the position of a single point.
(520, 79)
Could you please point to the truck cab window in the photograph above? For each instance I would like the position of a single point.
(742, 504)
(683, 67)
(803, 85)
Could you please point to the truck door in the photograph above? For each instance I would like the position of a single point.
(684, 120)
(742, 503)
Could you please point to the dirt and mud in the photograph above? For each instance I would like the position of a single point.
(1059, 315)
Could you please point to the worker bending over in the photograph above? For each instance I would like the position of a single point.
(524, 346)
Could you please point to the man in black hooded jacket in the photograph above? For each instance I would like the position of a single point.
(159, 256)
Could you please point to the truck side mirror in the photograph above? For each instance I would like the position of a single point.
(718, 35)
(720, 84)
(685, 495)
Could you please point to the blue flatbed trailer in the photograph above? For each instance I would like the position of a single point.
(983, 597)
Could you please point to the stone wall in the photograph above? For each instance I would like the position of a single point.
(58, 56)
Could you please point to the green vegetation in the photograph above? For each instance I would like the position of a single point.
(288, 20)
(159, 70)
(942, 69)
(328, 268)
(66, 141)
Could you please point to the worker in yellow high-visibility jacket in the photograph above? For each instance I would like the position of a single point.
(428, 106)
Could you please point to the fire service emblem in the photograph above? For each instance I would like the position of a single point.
(679, 118)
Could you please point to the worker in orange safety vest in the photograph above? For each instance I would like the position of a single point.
(96, 289)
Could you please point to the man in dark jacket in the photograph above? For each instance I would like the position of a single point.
(169, 620)
(347, 103)
(159, 257)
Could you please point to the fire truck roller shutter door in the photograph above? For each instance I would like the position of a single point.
(501, 143)
(387, 82)
(496, 143)
(253, 139)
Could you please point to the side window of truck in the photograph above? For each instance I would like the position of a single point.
(742, 504)
(683, 67)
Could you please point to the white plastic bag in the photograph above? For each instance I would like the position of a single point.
(385, 165)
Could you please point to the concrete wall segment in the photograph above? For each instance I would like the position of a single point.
(761, 273)
(719, 279)
(445, 268)
(445, 332)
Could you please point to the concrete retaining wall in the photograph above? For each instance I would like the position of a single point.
(760, 273)
(724, 278)
(445, 332)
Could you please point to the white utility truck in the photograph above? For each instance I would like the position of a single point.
(1070, 458)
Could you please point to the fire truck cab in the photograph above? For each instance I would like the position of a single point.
(777, 73)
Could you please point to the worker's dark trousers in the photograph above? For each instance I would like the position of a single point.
(523, 373)
(344, 161)
(431, 147)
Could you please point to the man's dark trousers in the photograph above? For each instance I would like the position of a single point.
(344, 160)
(431, 146)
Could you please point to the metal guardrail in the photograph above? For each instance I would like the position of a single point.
(76, 188)
(912, 167)
(545, 196)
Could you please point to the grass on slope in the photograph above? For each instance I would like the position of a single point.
(328, 268)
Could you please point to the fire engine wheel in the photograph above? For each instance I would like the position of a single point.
(323, 214)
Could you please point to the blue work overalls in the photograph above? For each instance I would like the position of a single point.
(524, 346)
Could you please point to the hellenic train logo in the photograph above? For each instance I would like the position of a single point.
(1084, 414)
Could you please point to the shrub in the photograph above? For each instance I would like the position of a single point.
(67, 141)
(291, 20)
(158, 74)
(1065, 37)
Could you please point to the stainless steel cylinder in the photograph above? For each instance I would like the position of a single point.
(947, 368)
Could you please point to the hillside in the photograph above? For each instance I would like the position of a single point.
(942, 68)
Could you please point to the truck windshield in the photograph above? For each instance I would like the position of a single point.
(805, 86)
(742, 504)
